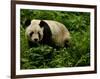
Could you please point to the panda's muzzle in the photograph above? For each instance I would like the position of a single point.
(35, 39)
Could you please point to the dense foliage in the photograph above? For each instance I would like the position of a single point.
(78, 52)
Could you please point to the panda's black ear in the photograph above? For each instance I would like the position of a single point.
(42, 23)
(27, 22)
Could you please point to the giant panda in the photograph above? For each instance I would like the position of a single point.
(48, 32)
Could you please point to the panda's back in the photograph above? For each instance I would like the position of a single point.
(54, 26)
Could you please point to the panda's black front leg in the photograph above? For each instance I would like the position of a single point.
(31, 44)
(67, 43)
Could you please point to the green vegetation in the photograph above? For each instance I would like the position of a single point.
(77, 54)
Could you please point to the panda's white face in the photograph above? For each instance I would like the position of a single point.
(34, 32)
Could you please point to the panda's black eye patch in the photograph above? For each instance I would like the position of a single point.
(31, 33)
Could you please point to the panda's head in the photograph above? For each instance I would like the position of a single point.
(34, 30)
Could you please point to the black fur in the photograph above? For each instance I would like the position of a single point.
(47, 35)
(67, 43)
(39, 35)
(43, 24)
(32, 44)
(27, 22)
(31, 34)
